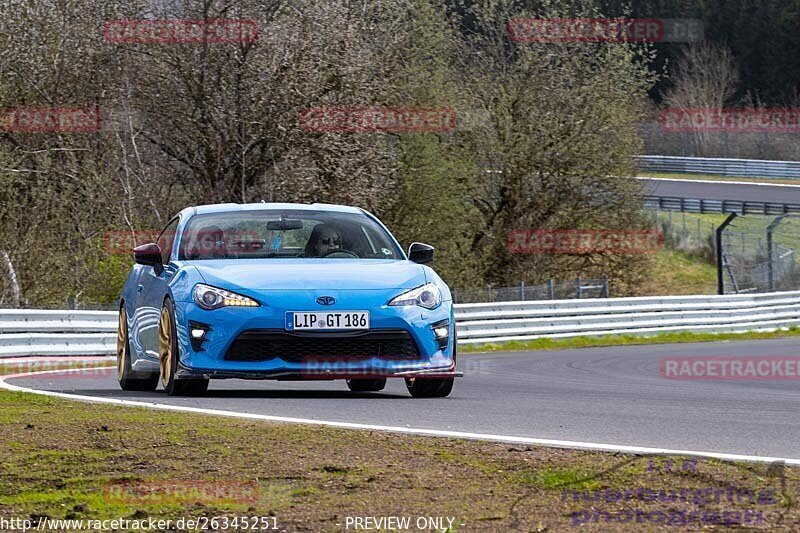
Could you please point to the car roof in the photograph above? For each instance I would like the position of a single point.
(263, 206)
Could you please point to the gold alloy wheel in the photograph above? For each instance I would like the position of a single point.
(165, 346)
(122, 339)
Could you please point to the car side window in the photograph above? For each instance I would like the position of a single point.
(166, 239)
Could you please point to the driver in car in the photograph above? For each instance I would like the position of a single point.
(324, 239)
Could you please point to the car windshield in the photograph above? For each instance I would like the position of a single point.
(284, 234)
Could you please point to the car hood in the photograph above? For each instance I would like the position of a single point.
(304, 274)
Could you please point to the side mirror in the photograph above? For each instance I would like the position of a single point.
(420, 253)
(149, 255)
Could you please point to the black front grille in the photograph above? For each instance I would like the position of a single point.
(261, 345)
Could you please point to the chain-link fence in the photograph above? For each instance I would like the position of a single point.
(686, 232)
(727, 144)
(552, 290)
(758, 254)
(747, 246)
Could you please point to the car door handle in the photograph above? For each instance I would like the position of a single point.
(139, 288)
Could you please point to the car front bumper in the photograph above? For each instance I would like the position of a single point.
(214, 357)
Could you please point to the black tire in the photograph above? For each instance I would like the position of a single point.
(168, 357)
(429, 388)
(366, 385)
(126, 377)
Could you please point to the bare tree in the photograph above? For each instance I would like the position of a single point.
(11, 285)
(705, 76)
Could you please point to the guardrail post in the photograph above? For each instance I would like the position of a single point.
(604, 290)
(578, 287)
(770, 267)
(770, 261)
(551, 290)
(522, 290)
(718, 240)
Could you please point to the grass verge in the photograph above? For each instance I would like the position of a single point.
(67, 460)
(676, 273)
(621, 340)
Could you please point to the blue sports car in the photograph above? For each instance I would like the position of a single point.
(284, 291)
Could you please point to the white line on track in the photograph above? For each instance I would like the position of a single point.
(550, 443)
(717, 182)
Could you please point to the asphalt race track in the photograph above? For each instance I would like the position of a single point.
(709, 190)
(611, 395)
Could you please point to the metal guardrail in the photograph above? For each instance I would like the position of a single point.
(498, 322)
(42, 321)
(55, 344)
(25, 332)
(37, 332)
(696, 205)
(742, 168)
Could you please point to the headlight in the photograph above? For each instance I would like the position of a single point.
(210, 298)
(428, 296)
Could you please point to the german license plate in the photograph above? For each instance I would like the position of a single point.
(323, 320)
